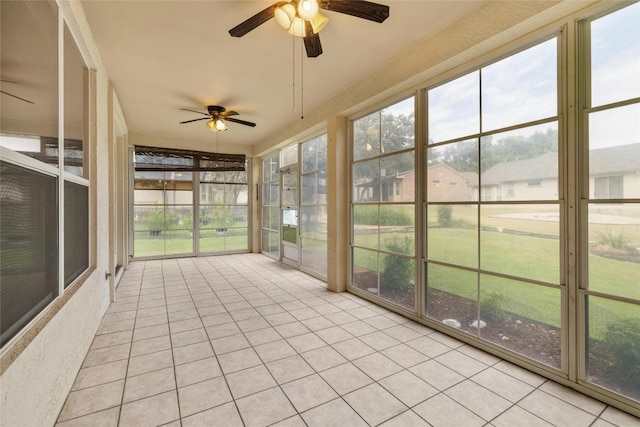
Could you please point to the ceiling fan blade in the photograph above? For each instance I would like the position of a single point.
(362, 9)
(312, 42)
(255, 21)
(242, 122)
(194, 111)
(229, 113)
(195, 120)
(17, 97)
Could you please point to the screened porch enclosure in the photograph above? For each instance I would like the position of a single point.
(189, 203)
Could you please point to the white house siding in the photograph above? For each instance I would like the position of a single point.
(630, 185)
(522, 190)
(159, 197)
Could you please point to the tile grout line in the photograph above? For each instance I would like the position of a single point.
(133, 330)
(287, 296)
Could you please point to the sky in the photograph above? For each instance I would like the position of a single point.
(523, 87)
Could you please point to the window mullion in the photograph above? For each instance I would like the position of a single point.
(61, 252)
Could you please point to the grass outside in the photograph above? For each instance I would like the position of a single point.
(523, 256)
(178, 242)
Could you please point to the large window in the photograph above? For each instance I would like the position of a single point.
(167, 214)
(76, 189)
(493, 241)
(531, 215)
(313, 209)
(383, 204)
(610, 201)
(224, 211)
(44, 186)
(29, 245)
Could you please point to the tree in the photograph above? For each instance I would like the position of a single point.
(383, 133)
(235, 183)
(463, 155)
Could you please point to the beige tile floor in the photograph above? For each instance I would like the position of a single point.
(244, 340)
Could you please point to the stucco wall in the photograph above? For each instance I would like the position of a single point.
(36, 384)
(40, 366)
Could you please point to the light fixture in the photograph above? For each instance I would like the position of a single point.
(298, 27)
(318, 22)
(307, 9)
(293, 18)
(216, 125)
(285, 14)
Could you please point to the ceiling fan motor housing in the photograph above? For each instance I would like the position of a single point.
(215, 109)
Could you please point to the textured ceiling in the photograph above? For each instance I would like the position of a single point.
(162, 56)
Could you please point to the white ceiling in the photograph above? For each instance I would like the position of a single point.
(162, 56)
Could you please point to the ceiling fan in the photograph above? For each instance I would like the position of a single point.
(302, 18)
(216, 117)
(12, 95)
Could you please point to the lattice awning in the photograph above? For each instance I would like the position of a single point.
(153, 159)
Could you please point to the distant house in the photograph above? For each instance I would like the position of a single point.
(399, 187)
(446, 184)
(614, 173)
(530, 179)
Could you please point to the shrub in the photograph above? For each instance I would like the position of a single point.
(445, 215)
(156, 220)
(398, 271)
(221, 217)
(492, 307)
(395, 216)
(622, 339)
(613, 239)
(368, 215)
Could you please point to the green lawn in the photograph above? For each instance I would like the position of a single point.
(528, 257)
(180, 242)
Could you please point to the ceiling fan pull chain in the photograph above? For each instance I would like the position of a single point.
(293, 73)
(301, 82)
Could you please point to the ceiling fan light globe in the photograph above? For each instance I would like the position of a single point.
(318, 22)
(308, 9)
(220, 125)
(298, 27)
(285, 15)
(216, 125)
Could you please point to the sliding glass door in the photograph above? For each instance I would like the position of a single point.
(294, 205)
(163, 214)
